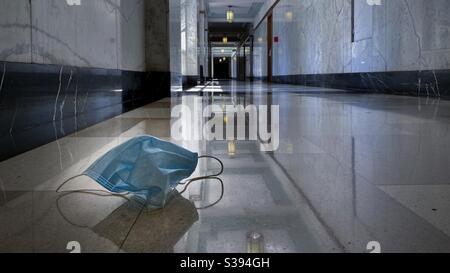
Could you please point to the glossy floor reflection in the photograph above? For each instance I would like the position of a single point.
(350, 169)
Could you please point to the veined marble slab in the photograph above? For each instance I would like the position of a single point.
(97, 34)
(15, 31)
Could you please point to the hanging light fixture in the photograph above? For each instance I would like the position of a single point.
(225, 40)
(230, 15)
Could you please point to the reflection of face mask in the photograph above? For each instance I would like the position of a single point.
(147, 167)
(154, 231)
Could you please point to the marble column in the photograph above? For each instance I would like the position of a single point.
(202, 36)
(189, 38)
(175, 45)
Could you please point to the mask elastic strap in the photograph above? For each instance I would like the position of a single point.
(88, 192)
(101, 193)
(218, 160)
(208, 176)
(58, 190)
(188, 182)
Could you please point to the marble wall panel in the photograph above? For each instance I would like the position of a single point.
(260, 51)
(316, 36)
(189, 38)
(15, 32)
(363, 20)
(97, 34)
(84, 35)
(175, 36)
(88, 65)
(175, 44)
(379, 39)
(42, 103)
(132, 41)
(362, 55)
(157, 35)
(311, 39)
(419, 38)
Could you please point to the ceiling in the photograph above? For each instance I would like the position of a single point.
(245, 10)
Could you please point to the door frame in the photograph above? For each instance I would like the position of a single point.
(270, 47)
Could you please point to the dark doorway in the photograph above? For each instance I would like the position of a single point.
(241, 68)
(222, 68)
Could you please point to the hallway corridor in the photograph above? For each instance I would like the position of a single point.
(219, 129)
(350, 169)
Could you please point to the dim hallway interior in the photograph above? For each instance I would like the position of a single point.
(331, 119)
(351, 168)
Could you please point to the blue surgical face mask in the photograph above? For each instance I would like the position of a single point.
(147, 167)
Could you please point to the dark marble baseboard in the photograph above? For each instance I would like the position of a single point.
(433, 83)
(42, 103)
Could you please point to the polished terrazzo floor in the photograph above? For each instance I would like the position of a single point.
(350, 169)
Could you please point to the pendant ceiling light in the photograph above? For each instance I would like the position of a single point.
(230, 15)
(289, 15)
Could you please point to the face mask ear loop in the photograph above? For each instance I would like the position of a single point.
(100, 193)
(187, 183)
(218, 160)
(201, 178)
(89, 192)
(208, 176)
(58, 190)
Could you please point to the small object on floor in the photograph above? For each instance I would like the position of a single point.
(149, 168)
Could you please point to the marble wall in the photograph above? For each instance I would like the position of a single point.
(260, 51)
(192, 43)
(315, 36)
(188, 42)
(202, 31)
(100, 33)
(157, 35)
(132, 50)
(175, 44)
(15, 33)
(43, 103)
(66, 67)
(189, 37)
(402, 36)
